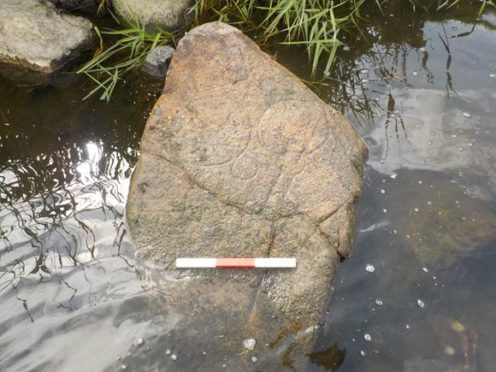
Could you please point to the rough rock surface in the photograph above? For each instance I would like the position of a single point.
(35, 36)
(239, 158)
(165, 14)
(157, 61)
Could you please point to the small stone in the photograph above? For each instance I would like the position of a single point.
(370, 268)
(367, 337)
(249, 343)
(157, 61)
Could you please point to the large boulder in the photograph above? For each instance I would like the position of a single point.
(240, 159)
(34, 35)
(155, 14)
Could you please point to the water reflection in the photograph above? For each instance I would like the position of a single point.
(428, 216)
(64, 259)
(69, 284)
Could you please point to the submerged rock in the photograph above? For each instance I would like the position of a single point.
(240, 159)
(157, 61)
(37, 37)
(164, 14)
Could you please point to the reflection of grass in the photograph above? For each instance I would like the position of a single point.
(128, 52)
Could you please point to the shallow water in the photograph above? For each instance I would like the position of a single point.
(420, 91)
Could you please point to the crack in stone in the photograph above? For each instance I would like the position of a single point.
(240, 209)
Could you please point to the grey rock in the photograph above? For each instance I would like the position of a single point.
(34, 35)
(154, 14)
(240, 159)
(157, 61)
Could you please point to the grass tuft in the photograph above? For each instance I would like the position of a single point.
(128, 51)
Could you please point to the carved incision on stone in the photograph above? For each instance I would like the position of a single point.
(241, 159)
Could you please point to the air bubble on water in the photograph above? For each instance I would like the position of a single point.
(429, 202)
(383, 191)
(470, 144)
(393, 176)
(167, 352)
(492, 75)
(254, 359)
(454, 135)
(379, 302)
(174, 357)
(123, 367)
(140, 341)
(420, 303)
(422, 49)
(362, 353)
(204, 352)
(384, 210)
(448, 350)
(249, 343)
(367, 337)
(467, 114)
(365, 80)
(407, 236)
(416, 209)
(420, 182)
(425, 269)
(414, 73)
(370, 268)
(407, 326)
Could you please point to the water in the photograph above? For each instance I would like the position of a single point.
(73, 296)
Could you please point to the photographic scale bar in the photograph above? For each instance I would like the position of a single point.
(236, 263)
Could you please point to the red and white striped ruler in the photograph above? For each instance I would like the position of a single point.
(236, 263)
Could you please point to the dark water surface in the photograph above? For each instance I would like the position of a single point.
(418, 292)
